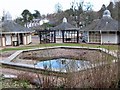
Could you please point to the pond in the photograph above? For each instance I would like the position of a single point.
(63, 65)
(62, 59)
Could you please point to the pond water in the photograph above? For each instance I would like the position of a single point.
(63, 65)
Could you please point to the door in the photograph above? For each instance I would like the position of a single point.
(8, 40)
(21, 38)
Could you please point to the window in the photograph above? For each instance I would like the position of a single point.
(94, 37)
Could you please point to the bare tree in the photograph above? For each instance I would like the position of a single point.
(58, 7)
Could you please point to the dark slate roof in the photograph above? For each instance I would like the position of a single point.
(106, 23)
(103, 24)
(63, 26)
(11, 27)
(36, 27)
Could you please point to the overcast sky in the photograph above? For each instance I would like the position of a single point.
(15, 7)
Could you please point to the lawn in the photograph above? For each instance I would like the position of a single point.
(110, 47)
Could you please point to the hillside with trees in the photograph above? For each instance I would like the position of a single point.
(80, 14)
(77, 16)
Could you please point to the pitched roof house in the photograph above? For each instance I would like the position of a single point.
(104, 30)
(13, 34)
(66, 31)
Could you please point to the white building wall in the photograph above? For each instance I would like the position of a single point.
(24, 40)
(14, 38)
(3, 41)
(88, 37)
(30, 38)
(109, 38)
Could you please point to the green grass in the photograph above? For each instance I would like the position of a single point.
(110, 47)
(11, 83)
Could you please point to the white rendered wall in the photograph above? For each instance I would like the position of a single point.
(30, 38)
(3, 41)
(24, 40)
(109, 38)
(14, 38)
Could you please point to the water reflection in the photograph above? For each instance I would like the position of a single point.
(62, 65)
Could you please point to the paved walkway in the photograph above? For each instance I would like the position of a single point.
(10, 58)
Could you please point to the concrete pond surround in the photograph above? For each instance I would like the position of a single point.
(8, 61)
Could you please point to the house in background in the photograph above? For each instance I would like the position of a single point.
(13, 34)
(104, 30)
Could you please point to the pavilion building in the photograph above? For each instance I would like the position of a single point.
(104, 30)
(13, 34)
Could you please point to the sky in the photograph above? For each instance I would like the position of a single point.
(15, 7)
